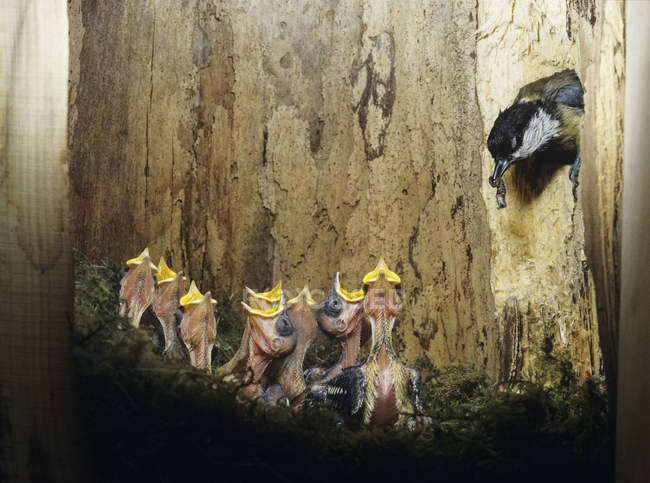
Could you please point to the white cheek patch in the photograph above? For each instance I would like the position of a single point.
(540, 130)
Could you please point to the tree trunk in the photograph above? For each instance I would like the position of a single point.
(251, 141)
(566, 282)
(38, 419)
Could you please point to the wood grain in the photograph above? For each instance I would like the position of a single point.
(602, 176)
(40, 435)
(250, 142)
(254, 141)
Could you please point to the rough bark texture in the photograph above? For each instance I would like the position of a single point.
(510, 341)
(538, 242)
(602, 148)
(633, 437)
(39, 432)
(250, 141)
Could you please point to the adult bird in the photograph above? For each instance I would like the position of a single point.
(545, 116)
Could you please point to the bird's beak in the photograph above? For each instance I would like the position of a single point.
(500, 167)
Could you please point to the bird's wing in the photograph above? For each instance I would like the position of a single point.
(347, 390)
(565, 88)
(414, 388)
(531, 92)
(562, 87)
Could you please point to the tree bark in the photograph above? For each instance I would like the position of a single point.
(541, 254)
(603, 177)
(251, 141)
(39, 433)
(254, 141)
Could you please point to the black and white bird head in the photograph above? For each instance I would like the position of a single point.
(519, 132)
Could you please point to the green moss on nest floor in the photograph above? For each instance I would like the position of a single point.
(154, 420)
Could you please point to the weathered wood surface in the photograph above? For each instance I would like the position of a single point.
(39, 434)
(602, 150)
(250, 141)
(253, 141)
(633, 422)
(540, 252)
(511, 337)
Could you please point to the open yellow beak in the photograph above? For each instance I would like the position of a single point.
(272, 295)
(344, 294)
(266, 314)
(141, 258)
(163, 272)
(303, 293)
(381, 268)
(194, 296)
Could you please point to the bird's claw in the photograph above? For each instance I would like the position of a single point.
(424, 420)
(418, 422)
(573, 176)
(317, 395)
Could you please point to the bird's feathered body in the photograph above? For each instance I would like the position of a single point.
(199, 327)
(287, 372)
(259, 301)
(562, 93)
(340, 316)
(166, 303)
(137, 287)
(545, 116)
(562, 87)
(387, 392)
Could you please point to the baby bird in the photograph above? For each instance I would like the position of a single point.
(272, 335)
(169, 291)
(383, 390)
(258, 301)
(199, 327)
(137, 287)
(545, 116)
(340, 316)
(287, 372)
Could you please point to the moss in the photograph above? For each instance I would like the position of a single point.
(150, 419)
(97, 288)
(324, 352)
(424, 364)
(530, 314)
(230, 327)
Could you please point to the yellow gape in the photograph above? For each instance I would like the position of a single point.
(194, 296)
(381, 267)
(163, 272)
(141, 258)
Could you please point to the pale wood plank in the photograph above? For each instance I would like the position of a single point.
(37, 392)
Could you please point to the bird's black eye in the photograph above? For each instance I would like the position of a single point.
(334, 306)
(283, 326)
(178, 314)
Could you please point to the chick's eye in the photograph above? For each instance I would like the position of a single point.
(284, 326)
(334, 307)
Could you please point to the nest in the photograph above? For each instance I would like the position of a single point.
(151, 419)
